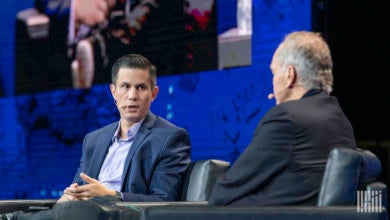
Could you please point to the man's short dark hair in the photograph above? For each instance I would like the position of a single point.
(134, 61)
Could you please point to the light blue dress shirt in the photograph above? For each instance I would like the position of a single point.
(112, 169)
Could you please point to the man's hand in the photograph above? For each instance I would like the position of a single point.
(92, 12)
(93, 188)
(68, 197)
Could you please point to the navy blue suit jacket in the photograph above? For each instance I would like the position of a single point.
(285, 161)
(155, 165)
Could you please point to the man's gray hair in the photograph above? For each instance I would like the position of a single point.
(310, 55)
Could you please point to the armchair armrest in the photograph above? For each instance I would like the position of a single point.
(196, 212)
(7, 206)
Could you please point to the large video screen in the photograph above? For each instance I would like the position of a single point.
(212, 57)
(65, 44)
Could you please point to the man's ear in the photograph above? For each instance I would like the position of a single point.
(291, 76)
(155, 92)
(112, 89)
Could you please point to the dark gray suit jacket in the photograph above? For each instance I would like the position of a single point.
(155, 165)
(285, 161)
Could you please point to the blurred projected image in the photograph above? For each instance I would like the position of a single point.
(201, 29)
(72, 43)
(235, 44)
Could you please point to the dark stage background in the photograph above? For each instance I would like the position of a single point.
(359, 38)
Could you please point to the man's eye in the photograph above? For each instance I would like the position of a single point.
(141, 87)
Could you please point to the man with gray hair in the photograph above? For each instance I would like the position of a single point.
(285, 161)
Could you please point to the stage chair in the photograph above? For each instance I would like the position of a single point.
(198, 183)
(349, 182)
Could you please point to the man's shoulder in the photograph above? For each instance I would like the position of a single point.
(164, 124)
(309, 109)
(290, 109)
(315, 101)
(161, 126)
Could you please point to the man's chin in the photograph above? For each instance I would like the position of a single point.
(133, 117)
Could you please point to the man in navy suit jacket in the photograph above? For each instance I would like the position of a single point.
(140, 158)
(285, 161)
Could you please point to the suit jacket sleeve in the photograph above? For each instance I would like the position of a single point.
(267, 155)
(86, 153)
(168, 175)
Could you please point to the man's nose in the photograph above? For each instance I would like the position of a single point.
(132, 93)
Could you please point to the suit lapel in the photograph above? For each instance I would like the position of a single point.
(143, 132)
(103, 143)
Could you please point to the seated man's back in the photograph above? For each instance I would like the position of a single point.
(285, 161)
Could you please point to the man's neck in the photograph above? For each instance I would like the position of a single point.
(296, 93)
(125, 127)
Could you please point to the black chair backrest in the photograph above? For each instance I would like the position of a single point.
(200, 179)
(347, 171)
